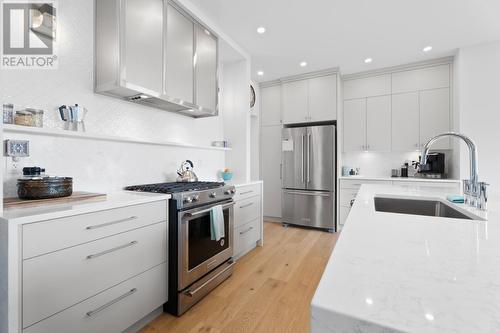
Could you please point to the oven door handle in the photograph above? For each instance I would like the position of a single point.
(207, 210)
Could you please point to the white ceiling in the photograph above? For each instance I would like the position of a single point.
(342, 33)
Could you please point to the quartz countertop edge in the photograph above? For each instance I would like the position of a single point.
(402, 179)
(409, 273)
(54, 211)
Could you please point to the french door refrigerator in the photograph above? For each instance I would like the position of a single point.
(308, 181)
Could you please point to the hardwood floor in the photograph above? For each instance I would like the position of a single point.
(270, 290)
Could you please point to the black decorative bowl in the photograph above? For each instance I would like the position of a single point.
(44, 188)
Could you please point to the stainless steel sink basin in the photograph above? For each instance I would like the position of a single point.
(418, 207)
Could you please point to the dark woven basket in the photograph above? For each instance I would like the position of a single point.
(44, 188)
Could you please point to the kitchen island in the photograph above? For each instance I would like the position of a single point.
(410, 273)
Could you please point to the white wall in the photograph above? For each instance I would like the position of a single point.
(479, 103)
(72, 83)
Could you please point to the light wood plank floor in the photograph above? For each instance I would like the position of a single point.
(270, 291)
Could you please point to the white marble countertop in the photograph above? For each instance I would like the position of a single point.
(408, 273)
(54, 211)
(401, 179)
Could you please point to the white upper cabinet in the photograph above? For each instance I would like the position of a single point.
(270, 98)
(405, 122)
(143, 45)
(355, 125)
(378, 123)
(367, 87)
(205, 66)
(179, 78)
(310, 100)
(323, 98)
(295, 102)
(421, 79)
(435, 116)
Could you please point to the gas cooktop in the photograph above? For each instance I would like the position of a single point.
(175, 187)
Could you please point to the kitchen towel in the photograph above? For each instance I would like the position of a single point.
(458, 199)
(216, 223)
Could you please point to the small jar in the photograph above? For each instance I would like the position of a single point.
(8, 113)
(37, 116)
(24, 118)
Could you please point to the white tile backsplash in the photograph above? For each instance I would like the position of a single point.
(98, 165)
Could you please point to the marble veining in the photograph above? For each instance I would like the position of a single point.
(409, 273)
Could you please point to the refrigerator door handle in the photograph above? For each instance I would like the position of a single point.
(308, 157)
(311, 193)
(302, 152)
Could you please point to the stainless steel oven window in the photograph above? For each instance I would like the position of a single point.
(194, 236)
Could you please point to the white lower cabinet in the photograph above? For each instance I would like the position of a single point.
(248, 218)
(113, 310)
(56, 281)
(94, 280)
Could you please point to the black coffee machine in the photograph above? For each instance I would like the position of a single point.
(434, 167)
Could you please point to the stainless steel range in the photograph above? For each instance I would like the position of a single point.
(197, 264)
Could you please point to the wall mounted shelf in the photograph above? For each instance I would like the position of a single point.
(92, 136)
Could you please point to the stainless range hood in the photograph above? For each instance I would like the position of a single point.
(153, 53)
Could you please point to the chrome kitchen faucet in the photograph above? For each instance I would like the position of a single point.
(475, 192)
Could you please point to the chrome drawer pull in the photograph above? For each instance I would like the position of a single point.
(97, 226)
(244, 232)
(107, 305)
(247, 205)
(247, 192)
(92, 256)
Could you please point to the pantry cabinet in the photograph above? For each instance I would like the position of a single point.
(310, 100)
(270, 105)
(432, 77)
(271, 170)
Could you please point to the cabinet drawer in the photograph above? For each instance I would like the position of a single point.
(45, 237)
(356, 183)
(346, 195)
(246, 236)
(113, 310)
(58, 280)
(455, 186)
(247, 191)
(247, 210)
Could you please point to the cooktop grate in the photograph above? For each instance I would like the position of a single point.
(175, 187)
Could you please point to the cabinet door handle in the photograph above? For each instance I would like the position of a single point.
(92, 256)
(247, 192)
(97, 226)
(107, 305)
(244, 232)
(247, 205)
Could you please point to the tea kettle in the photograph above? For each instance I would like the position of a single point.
(186, 173)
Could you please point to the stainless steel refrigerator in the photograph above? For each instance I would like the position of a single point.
(308, 182)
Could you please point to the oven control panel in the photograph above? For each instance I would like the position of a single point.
(198, 198)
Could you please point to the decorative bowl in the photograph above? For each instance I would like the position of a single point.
(227, 176)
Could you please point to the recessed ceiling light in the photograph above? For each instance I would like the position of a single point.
(368, 60)
(427, 48)
(303, 64)
(261, 30)
(260, 73)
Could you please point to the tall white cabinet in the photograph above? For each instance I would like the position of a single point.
(295, 100)
(402, 109)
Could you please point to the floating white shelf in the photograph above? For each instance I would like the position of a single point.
(91, 136)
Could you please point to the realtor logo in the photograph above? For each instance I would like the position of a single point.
(28, 34)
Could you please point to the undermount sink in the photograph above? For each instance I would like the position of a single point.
(418, 207)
